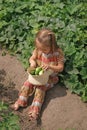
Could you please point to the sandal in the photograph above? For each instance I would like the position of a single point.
(15, 106)
(18, 104)
(33, 114)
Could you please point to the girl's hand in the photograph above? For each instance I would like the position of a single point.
(45, 66)
(33, 63)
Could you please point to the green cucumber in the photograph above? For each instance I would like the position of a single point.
(41, 72)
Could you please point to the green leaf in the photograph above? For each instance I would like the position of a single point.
(84, 98)
(3, 128)
(70, 49)
(83, 73)
(75, 8)
(73, 71)
(3, 106)
(3, 23)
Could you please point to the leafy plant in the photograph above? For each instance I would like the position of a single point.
(3, 106)
(20, 20)
(8, 120)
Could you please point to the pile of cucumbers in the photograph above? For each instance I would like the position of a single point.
(37, 71)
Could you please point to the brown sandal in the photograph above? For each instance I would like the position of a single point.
(18, 104)
(33, 116)
(15, 106)
(33, 113)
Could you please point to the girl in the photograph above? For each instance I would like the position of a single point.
(49, 56)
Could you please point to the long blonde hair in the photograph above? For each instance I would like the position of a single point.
(47, 37)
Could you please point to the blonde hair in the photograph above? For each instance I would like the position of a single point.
(46, 37)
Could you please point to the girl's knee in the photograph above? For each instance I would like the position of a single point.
(39, 94)
(27, 89)
(28, 84)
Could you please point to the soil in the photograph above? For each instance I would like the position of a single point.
(61, 110)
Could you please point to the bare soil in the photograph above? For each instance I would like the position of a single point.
(61, 110)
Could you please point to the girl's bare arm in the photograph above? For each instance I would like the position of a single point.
(57, 68)
(33, 58)
(60, 66)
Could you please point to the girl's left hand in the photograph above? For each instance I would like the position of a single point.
(45, 66)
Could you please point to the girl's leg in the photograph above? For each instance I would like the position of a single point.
(36, 104)
(26, 90)
(35, 107)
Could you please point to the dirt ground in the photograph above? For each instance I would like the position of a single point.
(61, 109)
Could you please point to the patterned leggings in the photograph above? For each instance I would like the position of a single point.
(28, 89)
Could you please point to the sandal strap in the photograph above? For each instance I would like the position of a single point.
(21, 103)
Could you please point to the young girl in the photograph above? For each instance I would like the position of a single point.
(49, 56)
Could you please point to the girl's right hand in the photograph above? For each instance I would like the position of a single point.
(45, 66)
(33, 63)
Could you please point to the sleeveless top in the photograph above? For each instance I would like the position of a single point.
(51, 58)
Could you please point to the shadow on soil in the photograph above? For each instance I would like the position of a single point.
(55, 92)
(8, 93)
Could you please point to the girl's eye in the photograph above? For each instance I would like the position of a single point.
(44, 50)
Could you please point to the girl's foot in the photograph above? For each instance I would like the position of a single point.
(33, 116)
(19, 103)
(15, 106)
(33, 112)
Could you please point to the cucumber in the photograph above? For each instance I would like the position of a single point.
(41, 72)
(37, 71)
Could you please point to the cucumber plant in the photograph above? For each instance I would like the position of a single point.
(20, 21)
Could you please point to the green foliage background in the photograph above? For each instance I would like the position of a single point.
(8, 120)
(21, 19)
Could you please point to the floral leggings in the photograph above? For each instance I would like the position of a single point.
(39, 93)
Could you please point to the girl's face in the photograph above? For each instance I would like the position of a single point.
(43, 48)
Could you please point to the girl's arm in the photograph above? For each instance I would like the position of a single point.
(57, 68)
(60, 66)
(33, 58)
